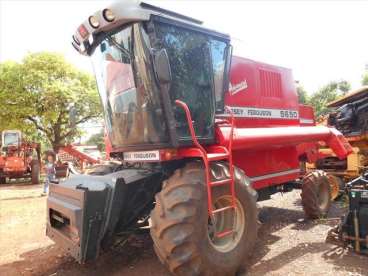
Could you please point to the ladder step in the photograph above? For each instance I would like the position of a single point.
(217, 156)
(220, 182)
(222, 209)
(224, 233)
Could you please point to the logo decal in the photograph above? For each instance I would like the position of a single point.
(235, 88)
(152, 155)
(252, 112)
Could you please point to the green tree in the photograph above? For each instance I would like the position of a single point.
(39, 94)
(365, 79)
(328, 93)
(97, 139)
(302, 94)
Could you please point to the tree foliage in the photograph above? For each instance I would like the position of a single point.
(365, 79)
(38, 94)
(302, 94)
(328, 93)
(97, 139)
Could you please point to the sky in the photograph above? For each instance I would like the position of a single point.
(320, 41)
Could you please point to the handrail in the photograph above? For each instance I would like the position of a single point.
(232, 122)
(230, 148)
(185, 107)
(228, 155)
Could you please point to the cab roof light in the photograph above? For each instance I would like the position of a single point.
(93, 21)
(108, 15)
(82, 30)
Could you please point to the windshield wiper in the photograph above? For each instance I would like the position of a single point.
(120, 47)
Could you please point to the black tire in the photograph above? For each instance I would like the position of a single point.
(180, 224)
(35, 172)
(2, 180)
(316, 194)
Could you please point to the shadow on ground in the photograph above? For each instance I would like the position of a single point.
(124, 260)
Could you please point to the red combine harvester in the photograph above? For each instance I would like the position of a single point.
(201, 136)
(19, 158)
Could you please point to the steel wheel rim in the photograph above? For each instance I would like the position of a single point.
(224, 221)
(335, 187)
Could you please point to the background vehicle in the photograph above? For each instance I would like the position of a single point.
(350, 116)
(353, 230)
(197, 131)
(19, 158)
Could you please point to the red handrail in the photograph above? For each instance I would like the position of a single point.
(185, 107)
(230, 148)
(204, 156)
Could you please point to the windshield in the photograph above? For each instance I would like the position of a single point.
(197, 62)
(128, 90)
(10, 138)
(131, 95)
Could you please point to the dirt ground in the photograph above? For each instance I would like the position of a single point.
(287, 244)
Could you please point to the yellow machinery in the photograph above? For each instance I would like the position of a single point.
(350, 116)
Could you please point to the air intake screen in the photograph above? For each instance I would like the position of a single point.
(270, 84)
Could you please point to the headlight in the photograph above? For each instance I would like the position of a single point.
(93, 21)
(108, 15)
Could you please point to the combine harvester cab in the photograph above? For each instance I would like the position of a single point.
(199, 134)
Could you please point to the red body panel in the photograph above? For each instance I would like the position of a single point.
(306, 115)
(273, 131)
(268, 166)
(15, 165)
(262, 95)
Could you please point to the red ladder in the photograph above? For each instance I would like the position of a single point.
(217, 153)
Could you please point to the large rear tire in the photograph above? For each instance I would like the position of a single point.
(316, 194)
(2, 180)
(35, 172)
(183, 233)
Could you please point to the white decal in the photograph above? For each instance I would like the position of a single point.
(272, 175)
(252, 112)
(235, 88)
(153, 155)
(306, 121)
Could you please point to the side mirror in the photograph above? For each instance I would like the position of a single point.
(103, 47)
(162, 66)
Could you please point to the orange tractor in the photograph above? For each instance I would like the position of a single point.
(19, 158)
